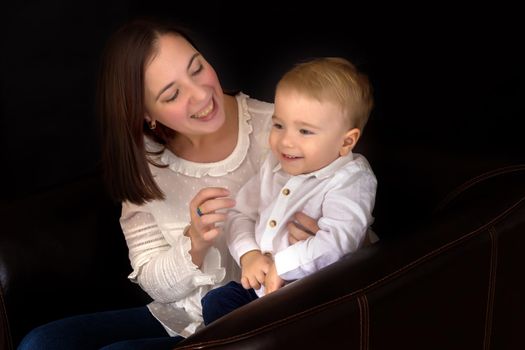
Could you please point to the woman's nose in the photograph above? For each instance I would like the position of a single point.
(197, 92)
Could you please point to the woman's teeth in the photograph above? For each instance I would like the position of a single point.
(204, 112)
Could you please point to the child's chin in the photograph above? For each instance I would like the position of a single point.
(292, 171)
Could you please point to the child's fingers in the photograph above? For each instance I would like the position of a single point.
(254, 283)
(245, 283)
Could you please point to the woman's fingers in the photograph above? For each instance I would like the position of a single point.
(202, 230)
(212, 218)
(208, 193)
(307, 223)
(295, 234)
(210, 235)
(203, 212)
(208, 200)
(303, 228)
(214, 204)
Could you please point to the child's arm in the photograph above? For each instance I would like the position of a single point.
(303, 227)
(240, 224)
(346, 217)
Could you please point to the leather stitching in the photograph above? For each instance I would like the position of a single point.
(490, 174)
(491, 287)
(364, 321)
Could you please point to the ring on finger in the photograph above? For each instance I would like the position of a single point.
(199, 212)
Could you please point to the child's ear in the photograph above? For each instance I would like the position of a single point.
(349, 141)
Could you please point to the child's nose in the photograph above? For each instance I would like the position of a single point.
(287, 140)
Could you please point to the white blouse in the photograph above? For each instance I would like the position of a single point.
(158, 249)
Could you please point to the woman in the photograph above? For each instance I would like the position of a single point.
(175, 151)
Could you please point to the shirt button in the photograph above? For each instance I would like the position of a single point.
(272, 223)
(286, 191)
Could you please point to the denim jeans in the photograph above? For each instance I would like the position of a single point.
(223, 300)
(130, 329)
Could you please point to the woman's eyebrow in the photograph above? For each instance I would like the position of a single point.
(195, 55)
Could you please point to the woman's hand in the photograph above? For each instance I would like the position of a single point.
(303, 227)
(204, 218)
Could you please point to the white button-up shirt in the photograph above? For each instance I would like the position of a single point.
(340, 196)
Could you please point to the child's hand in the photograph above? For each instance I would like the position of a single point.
(272, 281)
(254, 266)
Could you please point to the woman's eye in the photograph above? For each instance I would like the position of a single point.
(198, 70)
(173, 97)
(277, 126)
(305, 132)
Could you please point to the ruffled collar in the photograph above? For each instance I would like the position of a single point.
(225, 166)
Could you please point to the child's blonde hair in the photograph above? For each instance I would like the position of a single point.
(333, 79)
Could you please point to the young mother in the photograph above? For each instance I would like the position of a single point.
(175, 150)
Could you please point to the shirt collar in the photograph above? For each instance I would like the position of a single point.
(325, 172)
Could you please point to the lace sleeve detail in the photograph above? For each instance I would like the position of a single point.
(144, 240)
(163, 270)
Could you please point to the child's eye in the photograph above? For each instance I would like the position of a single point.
(305, 132)
(277, 126)
(173, 97)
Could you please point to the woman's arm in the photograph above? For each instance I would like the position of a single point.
(163, 269)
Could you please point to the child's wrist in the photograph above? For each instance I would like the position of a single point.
(246, 256)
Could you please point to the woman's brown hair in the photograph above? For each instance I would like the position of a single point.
(120, 103)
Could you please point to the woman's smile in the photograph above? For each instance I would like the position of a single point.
(204, 114)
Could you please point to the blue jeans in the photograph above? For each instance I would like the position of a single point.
(223, 300)
(130, 329)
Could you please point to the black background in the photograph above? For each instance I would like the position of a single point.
(443, 75)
